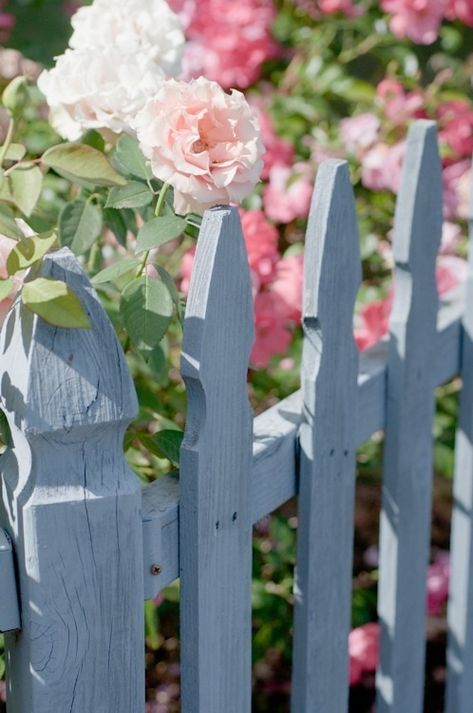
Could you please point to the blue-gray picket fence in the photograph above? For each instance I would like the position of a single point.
(82, 545)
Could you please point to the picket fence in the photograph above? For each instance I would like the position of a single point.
(89, 545)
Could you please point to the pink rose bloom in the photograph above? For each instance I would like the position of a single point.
(261, 239)
(272, 333)
(277, 150)
(451, 237)
(288, 285)
(451, 272)
(229, 41)
(460, 10)
(456, 127)
(417, 19)
(202, 141)
(382, 167)
(359, 132)
(465, 195)
(344, 6)
(396, 104)
(373, 322)
(456, 191)
(438, 576)
(363, 647)
(289, 192)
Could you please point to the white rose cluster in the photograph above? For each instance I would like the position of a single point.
(119, 55)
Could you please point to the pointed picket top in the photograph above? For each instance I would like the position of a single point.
(219, 313)
(332, 272)
(55, 379)
(418, 220)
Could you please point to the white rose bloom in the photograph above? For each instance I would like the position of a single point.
(101, 89)
(148, 26)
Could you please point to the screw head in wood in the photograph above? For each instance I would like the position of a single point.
(156, 569)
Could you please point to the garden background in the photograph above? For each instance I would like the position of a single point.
(329, 78)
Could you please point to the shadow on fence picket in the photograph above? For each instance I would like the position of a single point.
(85, 539)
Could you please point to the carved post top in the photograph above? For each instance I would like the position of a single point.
(56, 380)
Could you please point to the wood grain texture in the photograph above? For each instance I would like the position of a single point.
(9, 603)
(407, 485)
(275, 446)
(215, 515)
(323, 579)
(459, 695)
(72, 509)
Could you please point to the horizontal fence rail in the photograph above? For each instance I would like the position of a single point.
(90, 546)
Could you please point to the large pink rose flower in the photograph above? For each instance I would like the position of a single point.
(417, 19)
(202, 141)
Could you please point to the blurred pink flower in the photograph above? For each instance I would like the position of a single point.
(455, 177)
(456, 127)
(344, 6)
(271, 328)
(363, 647)
(451, 236)
(7, 22)
(398, 105)
(451, 272)
(382, 167)
(461, 10)
(6, 246)
(229, 40)
(360, 132)
(278, 150)
(288, 193)
(465, 195)
(261, 239)
(417, 19)
(438, 576)
(288, 285)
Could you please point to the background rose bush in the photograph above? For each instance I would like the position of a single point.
(327, 78)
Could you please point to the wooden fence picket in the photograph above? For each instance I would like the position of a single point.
(216, 457)
(407, 486)
(72, 509)
(460, 608)
(322, 617)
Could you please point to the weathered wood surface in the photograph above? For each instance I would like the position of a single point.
(9, 606)
(460, 608)
(407, 485)
(275, 441)
(323, 577)
(72, 508)
(215, 473)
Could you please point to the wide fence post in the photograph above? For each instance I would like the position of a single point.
(72, 509)
(332, 277)
(407, 486)
(215, 473)
(460, 607)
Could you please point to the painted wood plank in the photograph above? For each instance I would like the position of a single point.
(9, 604)
(323, 578)
(274, 478)
(72, 509)
(407, 484)
(215, 515)
(459, 695)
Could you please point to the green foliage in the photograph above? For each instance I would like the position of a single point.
(159, 231)
(146, 308)
(55, 302)
(29, 251)
(80, 225)
(82, 163)
(133, 195)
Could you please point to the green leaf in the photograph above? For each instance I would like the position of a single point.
(15, 96)
(55, 302)
(115, 221)
(15, 152)
(159, 231)
(24, 185)
(146, 309)
(165, 444)
(111, 273)
(173, 291)
(28, 251)
(83, 162)
(133, 195)
(9, 228)
(80, 224)
(6, 286)
(129, 158)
